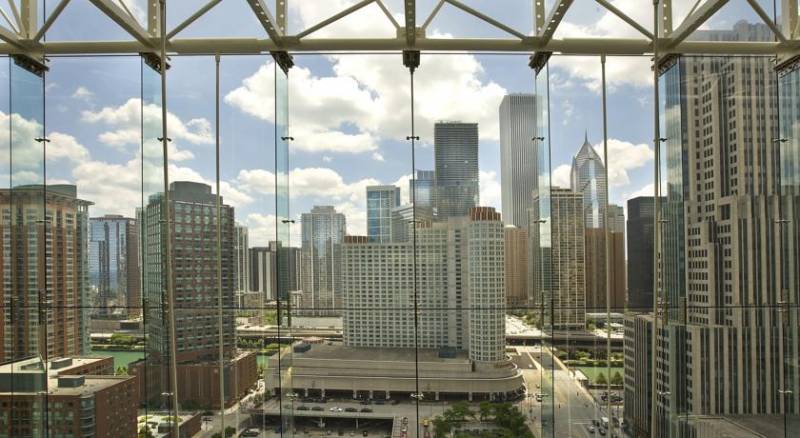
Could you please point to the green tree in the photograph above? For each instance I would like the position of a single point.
(230, 431)
(616, 379)
(485, 411)
(459, 412)
(601, 379)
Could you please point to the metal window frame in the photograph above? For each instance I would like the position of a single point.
(27, 40)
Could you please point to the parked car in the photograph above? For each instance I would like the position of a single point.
(351, 410)
(302, 408)
(366, 410)
(317, 408)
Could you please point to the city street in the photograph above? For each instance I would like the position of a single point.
(573, 406)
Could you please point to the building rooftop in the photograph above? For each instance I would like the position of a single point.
(338, 351)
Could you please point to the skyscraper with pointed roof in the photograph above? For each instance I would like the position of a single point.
(588, 177)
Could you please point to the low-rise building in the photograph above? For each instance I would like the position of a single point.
(80, 396)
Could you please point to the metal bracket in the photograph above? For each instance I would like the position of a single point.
(283, 59)
(538, 60)
(30, 64)
(411, 59)
(153, 60)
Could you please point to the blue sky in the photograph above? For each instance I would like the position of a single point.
(349, 114)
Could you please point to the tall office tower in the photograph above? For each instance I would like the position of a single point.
(723, 242)
(459, 283)
(114, 265)
(241, 248)
(380, 202)
(274, 270)
(193, 214)
(422, 188)
(588, 178)
(518, 157)
(45, 262)
(567, 260)
(404, 215)
(638, 349)
(263, 272)
(456, 186)
(640, 253)
(616, 253)
(323, 230)
(516, 244)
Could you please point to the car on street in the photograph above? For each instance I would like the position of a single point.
(351, 410)
(302, 408)
(591, 429)
(366, 410)
(317, 408)
(249, 432)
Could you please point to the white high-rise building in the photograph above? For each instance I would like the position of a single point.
(323, 230)
(242, 262)
(567, 260)
(460, 288)
(518, 157)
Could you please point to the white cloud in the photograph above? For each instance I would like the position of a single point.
(261, 229)
(82, 93)
(327, 159)
(624, 156)
(28, 153)
(319, 183)
(377, 156)
(125, 122)
(561, 176)
(364, 93)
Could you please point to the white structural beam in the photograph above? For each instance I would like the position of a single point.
(790, 22)
(665, 19)
(695, 20)
(554, 19)
(410, 12)
(10, 37)
(125, 21)
(29, 17)
(334, 18)
(281, 14)
(267, 20)
(574, 46)
(624, 17)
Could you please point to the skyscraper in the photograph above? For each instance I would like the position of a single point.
(640, 253)
(242, 262)
(516, 269)
(268, 276)
(193, 216)
(723, 258)
(588, 178)
(455, 150)
(404, 215)
(422, 188)
(616, 256)
(114, 264)
(518, 153)
(567, 259)
(323, 230)
(460, 288)
(380, 202)
(33, 278)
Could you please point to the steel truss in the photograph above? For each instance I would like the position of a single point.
(22, 34)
